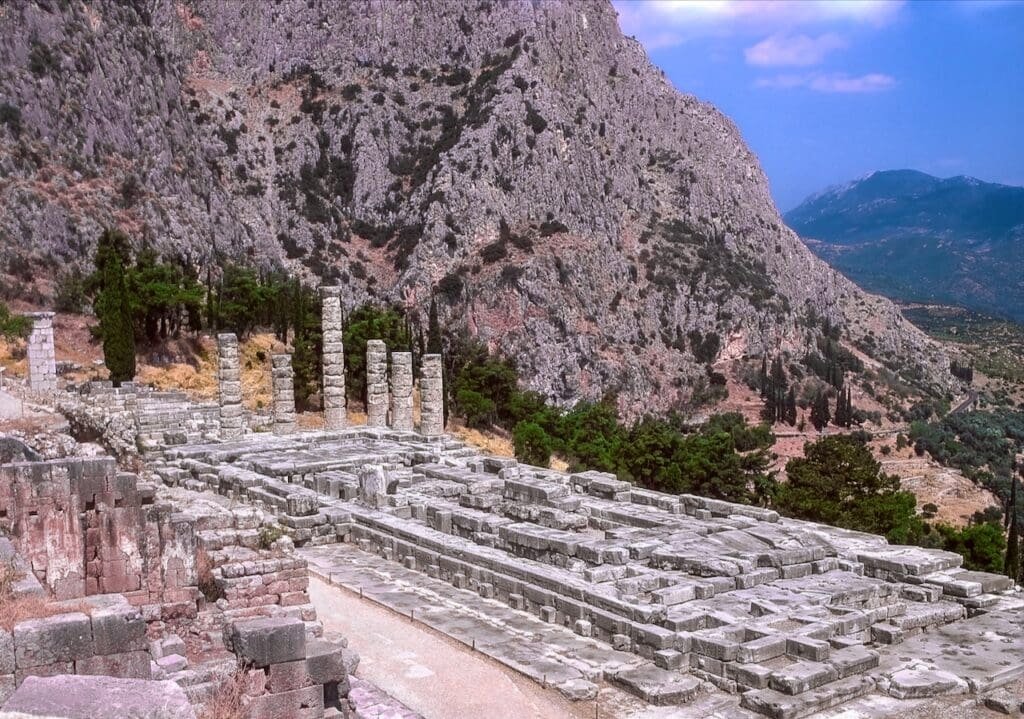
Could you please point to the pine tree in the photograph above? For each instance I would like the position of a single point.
(820, 414)
(791, 408)
(113, 307)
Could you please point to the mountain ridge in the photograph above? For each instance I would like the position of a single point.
(916, 237)
(523, 163)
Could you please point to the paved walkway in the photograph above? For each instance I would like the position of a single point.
(429, 663)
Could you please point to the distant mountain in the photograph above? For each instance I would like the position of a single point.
(915, 237)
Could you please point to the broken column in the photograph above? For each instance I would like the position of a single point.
(230, 380)
(376, 384)
(431, 397)
(42, 362)
(283, 381)
(401, 391)
(333, 360)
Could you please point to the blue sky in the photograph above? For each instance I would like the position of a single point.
(825, 92)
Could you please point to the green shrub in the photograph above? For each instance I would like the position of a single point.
(532, 444)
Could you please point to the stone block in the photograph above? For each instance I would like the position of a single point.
(307, 703)
(60, 638)
(325, 661)
(88, 697)
(118, 629)
(262, 642)
(127, 665)
(289, 676)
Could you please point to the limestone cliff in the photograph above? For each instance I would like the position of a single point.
(524, 161)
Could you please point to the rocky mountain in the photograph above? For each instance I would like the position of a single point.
(916, 237)
(522, 161)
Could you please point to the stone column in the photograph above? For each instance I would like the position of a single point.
(333, 360)
(431, 397)
(283, 378)
(376, 384)
(230, 380)
(42, 362)
(401, 391)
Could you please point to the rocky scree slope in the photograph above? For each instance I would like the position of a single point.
(523, 161)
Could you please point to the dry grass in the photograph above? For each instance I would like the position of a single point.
(15, 609)
(490, 442)
(229, 701)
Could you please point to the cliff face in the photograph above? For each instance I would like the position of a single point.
(524, 161)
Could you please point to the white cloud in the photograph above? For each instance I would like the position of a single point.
(836, 82)
(675, 21)
(795, 50)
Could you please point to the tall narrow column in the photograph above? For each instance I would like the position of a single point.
(283, 378)
(431, 397)
(376, 384)
(401, 391)
(333, 359)
(42, 362)
(230, 380)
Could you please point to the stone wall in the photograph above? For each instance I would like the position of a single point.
(110, 639)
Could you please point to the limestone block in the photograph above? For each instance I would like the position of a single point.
(401, 391)
(60, 638)
(262, 642)
(117, 629)
(127, 665)
(326, 661)
(6, 652)
(307, 703)
(88, 697)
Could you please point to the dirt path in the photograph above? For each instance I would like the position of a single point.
(432, 675)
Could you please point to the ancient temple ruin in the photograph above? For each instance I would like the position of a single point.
(670, 598)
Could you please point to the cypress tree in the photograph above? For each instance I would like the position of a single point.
(1011, 563)
(791, 408)
(820, 412)
(113, 307)
(762, 378)
(434, 342)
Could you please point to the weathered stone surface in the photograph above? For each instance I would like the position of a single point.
(89, 697)
(325, 661)
(431, 396)
(42, 361)
(917, 683)
(128, 665)
(376, 384)
(262, 642)
(333, 359)
(283, 388)
(658, 686)
(401, 391)
(60, 638)
(117, 629)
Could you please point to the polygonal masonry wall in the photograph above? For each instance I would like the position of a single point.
(790, 613)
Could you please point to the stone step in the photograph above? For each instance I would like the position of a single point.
(656, 686)
(777, 705)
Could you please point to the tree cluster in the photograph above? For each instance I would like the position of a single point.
(779, 398)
